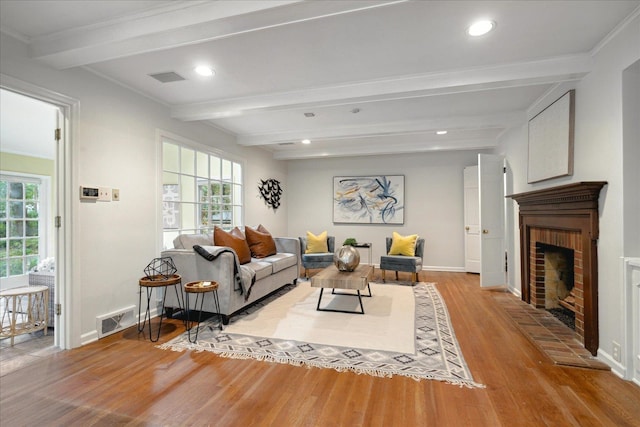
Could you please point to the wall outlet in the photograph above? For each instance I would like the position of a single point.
(616, 352)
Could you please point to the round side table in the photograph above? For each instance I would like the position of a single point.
(200, 289)
(24, 310)
(149, 283)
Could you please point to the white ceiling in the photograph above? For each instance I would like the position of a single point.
(407, 66)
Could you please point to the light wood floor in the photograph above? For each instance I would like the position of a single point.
(125, 380)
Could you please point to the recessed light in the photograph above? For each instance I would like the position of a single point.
(205, 71)
(441, 132)
(306, 141)
(480, 28)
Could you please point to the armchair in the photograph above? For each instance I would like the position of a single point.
(316, 260)
(411, 264)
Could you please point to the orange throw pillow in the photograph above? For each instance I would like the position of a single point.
(260, 242)
(235, 240)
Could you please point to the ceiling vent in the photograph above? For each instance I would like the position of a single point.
(167, 77)
(286, 143)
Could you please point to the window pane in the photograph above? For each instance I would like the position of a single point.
(3, 248)
(237, 215)
(187, 161)
(237, 173)
(16, 191)
(170, 157)
(32, 261)
(203, 165)
(3, 268)
(3, 229)
(3, 189)
(188, 188)
(31, 209)
(31, 228)
(31, 247)
(16, 228)
(16, 209)
(215, 167)
(188, 211)
(237, 195)
(16, 266)
(226, 170)
(3, 209)
(31, 191)
(16, 248)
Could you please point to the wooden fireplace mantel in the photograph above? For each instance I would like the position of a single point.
(572, 207)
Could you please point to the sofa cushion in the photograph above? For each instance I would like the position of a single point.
(281, 260)
(261, 243)
(316, 244)
(188, 241)
(261, 268)
(234, 240)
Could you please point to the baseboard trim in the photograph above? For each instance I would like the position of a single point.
(442, 268)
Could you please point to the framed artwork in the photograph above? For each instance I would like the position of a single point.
(551, 140)
(375, 199)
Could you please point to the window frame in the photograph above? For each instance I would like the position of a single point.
(45, 225)
(192, 204)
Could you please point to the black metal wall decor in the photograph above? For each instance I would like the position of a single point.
(270, 190)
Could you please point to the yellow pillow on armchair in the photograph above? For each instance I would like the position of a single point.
(316, 244)
(403, 245)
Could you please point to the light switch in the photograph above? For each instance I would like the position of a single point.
(115, 195)
(104, 194)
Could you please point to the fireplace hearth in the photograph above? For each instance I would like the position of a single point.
(563, 217)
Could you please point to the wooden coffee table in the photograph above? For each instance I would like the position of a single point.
(333, 278)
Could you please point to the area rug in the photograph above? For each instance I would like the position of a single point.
(405, 331)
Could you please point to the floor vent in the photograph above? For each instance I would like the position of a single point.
(108, 324)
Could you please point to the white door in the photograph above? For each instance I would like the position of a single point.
(471, 220)
(492, 253)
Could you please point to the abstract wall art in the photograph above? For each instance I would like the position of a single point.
(376, 199)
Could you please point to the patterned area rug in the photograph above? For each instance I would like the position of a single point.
(436, 355)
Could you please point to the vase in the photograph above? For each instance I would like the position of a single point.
(346, 258)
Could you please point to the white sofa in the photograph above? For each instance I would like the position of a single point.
(270, 273)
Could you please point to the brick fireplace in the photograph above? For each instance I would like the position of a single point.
(563, 217)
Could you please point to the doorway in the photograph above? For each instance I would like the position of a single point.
(32, 108)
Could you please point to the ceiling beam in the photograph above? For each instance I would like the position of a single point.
(390, 148)
(469, 123)
(184, 23)
(554, 70)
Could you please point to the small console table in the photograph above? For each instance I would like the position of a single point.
(24, 310)
(366, 246)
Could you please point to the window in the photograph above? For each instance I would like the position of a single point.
(22, 223)
(199, 191)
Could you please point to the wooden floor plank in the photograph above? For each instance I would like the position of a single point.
(124, 379)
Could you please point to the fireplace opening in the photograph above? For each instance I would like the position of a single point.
(559, 293)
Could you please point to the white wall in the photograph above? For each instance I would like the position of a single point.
(117, 146)
(433, 201)
(598, 156)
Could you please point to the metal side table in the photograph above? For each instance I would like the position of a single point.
(200, 289)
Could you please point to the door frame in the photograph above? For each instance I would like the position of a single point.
(67, 333)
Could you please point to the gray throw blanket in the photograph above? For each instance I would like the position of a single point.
(239, 284)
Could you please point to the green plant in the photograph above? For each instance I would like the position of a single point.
(350, 242)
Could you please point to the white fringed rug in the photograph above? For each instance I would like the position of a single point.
(405, 331)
